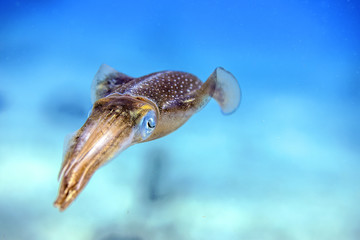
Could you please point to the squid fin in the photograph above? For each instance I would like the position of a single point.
(225, 89)
(105, 80)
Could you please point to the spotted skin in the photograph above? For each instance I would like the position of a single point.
(131, 110)
(162, 87)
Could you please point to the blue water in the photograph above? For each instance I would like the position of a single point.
(285, 165)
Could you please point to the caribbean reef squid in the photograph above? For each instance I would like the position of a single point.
(128, 110)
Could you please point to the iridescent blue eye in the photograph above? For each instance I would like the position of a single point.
(148, 124)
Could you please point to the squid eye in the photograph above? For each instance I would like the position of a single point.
(148, 125)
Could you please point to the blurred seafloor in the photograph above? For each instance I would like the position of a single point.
(284, 166)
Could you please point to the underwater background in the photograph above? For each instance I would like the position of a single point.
(284, 166)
